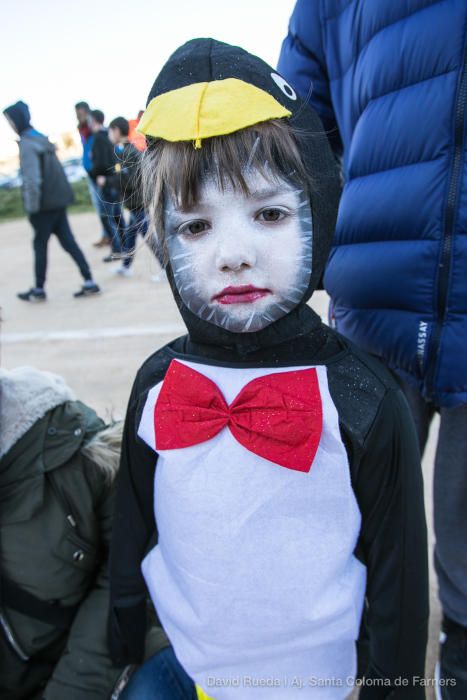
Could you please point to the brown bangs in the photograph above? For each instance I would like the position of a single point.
(177, 170)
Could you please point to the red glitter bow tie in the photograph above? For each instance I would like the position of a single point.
(278, 417)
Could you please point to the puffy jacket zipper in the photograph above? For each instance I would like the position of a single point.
(449, 219)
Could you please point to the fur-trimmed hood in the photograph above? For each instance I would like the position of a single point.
(26, 395)
(104, 449)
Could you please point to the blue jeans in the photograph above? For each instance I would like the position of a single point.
(113, 220)
(137, 224)
(94, 194)
(96, 203)
(110, 213)
(160, 678)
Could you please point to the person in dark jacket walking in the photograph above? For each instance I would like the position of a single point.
(46, 195)
(103, 163)
(126, 180)
(83, 115)
(389, 81)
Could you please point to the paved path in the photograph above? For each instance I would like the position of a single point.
(97, 344)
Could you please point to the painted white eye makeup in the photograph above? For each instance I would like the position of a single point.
(242, 262)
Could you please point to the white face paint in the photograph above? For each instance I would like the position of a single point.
(242, 262)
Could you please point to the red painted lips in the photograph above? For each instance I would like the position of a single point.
(245, 294)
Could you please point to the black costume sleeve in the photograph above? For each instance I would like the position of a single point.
(388, 483)
(133, 529)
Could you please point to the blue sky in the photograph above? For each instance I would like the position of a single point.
(108, 52)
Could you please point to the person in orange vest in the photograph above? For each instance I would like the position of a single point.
(138, 140)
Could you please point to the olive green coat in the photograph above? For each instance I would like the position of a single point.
(56, 506)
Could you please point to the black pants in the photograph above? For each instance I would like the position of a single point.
(449, 498)
(44, 224)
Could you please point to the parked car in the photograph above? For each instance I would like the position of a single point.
(9, 182)
(74, 169)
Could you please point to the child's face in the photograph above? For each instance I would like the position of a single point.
(242, 262)
(95, 126)
(114, 135)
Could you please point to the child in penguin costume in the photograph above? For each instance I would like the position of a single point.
(277, 463)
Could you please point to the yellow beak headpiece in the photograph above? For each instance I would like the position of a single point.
(203, 110)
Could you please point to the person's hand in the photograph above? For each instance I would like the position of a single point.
(100, 180)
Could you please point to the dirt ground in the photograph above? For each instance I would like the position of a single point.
(98, 343)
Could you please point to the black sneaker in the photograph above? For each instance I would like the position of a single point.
(33, 295)
(87, 290)
(112, 257)
(451, 671)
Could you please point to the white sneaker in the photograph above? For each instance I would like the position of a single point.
(124, 271)
(160, 277)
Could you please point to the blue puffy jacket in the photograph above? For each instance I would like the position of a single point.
(389, 80)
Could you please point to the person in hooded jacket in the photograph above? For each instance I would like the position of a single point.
(58, 462)
(46, 195)
(389, 81)
(275, 463)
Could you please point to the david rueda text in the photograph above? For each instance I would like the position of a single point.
(316, 682)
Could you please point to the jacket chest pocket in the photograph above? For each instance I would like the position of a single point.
(78, 553)
(72, 548)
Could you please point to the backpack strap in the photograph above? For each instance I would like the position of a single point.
(16, 598)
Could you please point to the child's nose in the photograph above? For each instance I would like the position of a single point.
(235, 255)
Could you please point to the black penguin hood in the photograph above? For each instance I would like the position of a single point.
(209, 88)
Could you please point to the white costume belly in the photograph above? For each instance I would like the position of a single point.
(254, 577)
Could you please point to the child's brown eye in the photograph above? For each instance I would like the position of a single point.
(271, 215)
(197, 227)
(193, 228)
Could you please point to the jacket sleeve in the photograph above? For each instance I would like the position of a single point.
(393, 543)
(85, 670)
(302, 61)
(133, 529)
(96, 158)
(101, 156)
(31, 175)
